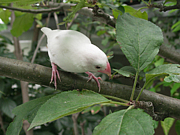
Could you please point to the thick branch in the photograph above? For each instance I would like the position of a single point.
(170, 54)
(33, 73)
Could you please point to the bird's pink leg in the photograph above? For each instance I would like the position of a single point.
(92, 76)
(53, 75)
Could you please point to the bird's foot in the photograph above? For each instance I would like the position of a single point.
(53, 76)
(92, 76)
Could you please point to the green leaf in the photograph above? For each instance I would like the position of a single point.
(74, 27)
(95, 109)
(177, 127)
(48, 90)
(64, 104)
(39, 23)
(171, 70)
(125, 122)
(170, 1)
(7, 106)
(136, 13)
(174, 88)
(105, 41)
(126, 71)
(6, 39)
(155, 124)
(139, 40)
(167, 124)
(3, 27)
(176, 26)
(79, 6)
(26, 111)
(4, 15)
(159, 62)
(38, 16)
(101, 32)
(115, 10)
(172, 78)
(22, 24)
(116, 13)
(15, 126)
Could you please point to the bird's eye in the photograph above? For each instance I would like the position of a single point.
(98, 67)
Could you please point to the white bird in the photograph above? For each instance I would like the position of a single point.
(72, 51)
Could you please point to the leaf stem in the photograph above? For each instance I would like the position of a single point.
(140, 92)
(119, 103)
(115, 98)
(145, 2)
(134, 86)
(130, 107)
(146, 83)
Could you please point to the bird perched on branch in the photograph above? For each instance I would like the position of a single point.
(72, 51)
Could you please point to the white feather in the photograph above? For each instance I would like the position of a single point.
(73, 51)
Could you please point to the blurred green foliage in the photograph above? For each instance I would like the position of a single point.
(10, 91)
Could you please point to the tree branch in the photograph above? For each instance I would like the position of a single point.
(34, 73)
(170, 54)
(41, 75)
(96, 14)
(37, 11)
(166, 8)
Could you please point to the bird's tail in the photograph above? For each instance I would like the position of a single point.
(46, 31)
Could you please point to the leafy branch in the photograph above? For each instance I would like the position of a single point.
(34, 73)
(165, 8)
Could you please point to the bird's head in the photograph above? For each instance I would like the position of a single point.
(107, 70)
(101, 65)
(97, 61)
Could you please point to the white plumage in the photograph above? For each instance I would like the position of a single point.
(73, 52)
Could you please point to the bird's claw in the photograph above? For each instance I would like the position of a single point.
(92, 76)
(53, 75)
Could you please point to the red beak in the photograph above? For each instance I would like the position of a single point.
(107, 70)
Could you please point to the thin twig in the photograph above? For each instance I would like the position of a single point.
(56, 20)
(75, 125)
(40, 40)
(82, 127)
(37, 47)
(1, 124)
(70, 24)
(134, 85)
(115, 98)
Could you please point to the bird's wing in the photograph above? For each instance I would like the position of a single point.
(65, 48)
(73, 51)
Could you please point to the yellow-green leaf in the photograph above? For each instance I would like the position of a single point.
(167, 124)
(136, 13)
(22, 24)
